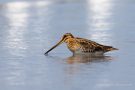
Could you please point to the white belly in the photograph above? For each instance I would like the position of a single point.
(89, 53)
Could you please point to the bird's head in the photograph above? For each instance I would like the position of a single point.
(65, 37)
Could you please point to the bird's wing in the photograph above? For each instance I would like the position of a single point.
(88, 45)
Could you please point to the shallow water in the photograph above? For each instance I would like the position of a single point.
(29, 28)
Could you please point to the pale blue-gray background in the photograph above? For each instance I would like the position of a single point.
(30, 27)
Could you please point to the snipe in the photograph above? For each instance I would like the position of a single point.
(82, 46)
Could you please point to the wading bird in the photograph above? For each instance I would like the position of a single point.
(82, 46)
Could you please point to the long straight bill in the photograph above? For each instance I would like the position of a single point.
(54, 46)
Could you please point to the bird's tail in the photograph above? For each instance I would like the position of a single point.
(109, 48)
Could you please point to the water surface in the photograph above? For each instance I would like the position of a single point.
(29, 28)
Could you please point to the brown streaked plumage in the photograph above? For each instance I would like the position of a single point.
(82, 46)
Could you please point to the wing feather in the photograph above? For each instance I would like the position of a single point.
(89, 46)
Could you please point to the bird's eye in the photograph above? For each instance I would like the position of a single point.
(64, 36)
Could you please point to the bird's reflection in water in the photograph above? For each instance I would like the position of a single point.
(83, 58)
(87, 58)
(75, 61)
